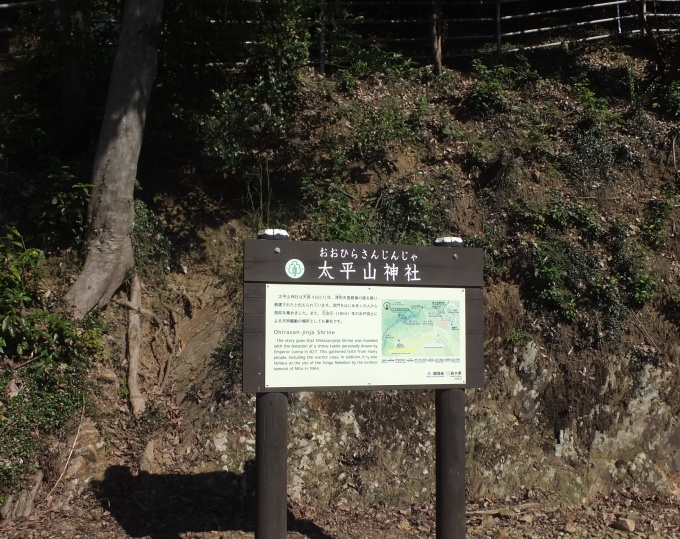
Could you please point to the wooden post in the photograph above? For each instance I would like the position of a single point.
(271, 441)
(499, 43)
(450, 446)
(271, 452)
(436, 30)
(322, 38)
(450, 452)
(641, 8)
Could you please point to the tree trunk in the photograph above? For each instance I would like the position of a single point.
(110, 213)
(436, 33)
(137, 402)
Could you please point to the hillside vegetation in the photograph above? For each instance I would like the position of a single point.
(563, 165)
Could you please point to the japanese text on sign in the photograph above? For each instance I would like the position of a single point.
(367, 264)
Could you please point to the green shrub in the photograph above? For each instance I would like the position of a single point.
(151, 245)
(517, 337)
(491, 90)
(596, 108)
(373, 62)
(46, 355)
(512, 71)
(21, 130)
(557, 215)
(594, 155)
(407, 215)
(347, 82)
(377, 127)
(335, 214)
(232, 128)
(480, 151)
(636, 282)
(574, 268)
(497, 254)
(277, 52)
(667, 98)
(242, 116)
(393, 214)
(656, 216)
(486, 97)
(551, 267)
(419, 117)
(59, 207)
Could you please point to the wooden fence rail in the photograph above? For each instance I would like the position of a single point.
(466, 28)
(436, 29)
(425, 29)
(471, 28)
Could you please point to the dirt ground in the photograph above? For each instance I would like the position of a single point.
(151, 508)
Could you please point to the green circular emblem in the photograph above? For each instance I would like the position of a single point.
(295, 268)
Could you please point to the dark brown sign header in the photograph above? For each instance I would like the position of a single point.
(274, 261)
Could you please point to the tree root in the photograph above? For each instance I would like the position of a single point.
(176, 350)
(140, 310)
(137, 401)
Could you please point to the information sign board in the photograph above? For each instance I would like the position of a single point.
(319, 335)
(324, 316)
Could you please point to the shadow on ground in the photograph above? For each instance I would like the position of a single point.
(164, 506)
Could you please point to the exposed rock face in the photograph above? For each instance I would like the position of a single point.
(82, 459)
(379, 448)
(638, 449)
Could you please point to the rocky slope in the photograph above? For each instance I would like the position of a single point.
(576, 432)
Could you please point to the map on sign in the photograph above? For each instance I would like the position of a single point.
(421, 328)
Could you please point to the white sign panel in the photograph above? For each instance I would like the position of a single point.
(344, 336)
